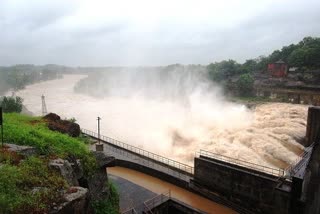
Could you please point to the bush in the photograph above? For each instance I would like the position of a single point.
(245, 84)
(11, 104)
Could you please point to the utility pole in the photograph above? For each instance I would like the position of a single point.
(1, 124)
(99, 145)
(99, 129)
(44, 106)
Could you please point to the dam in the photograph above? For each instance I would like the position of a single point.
(244, 187)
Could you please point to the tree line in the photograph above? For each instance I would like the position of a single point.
(19, 76)
(304, 55)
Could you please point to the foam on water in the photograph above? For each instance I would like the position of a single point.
(267, 135)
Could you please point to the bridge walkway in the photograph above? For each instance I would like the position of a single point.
(126, 152)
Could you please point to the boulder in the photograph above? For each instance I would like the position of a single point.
(76, 200)
(52, 117)
(64, 126)
(25, 151)
(64, 167)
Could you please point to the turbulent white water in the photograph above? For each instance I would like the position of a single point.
(267, 135)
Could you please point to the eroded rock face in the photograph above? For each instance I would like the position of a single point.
(76, 200)
(64, 167)
(25, 151)
(103, 160)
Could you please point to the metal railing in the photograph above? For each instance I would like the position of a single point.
(142, 152)
(269, 170)
(156, 201)
(301, 161)
(130, 211)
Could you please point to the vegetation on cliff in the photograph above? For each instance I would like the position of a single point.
(27, 184)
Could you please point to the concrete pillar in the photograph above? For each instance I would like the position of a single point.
(313, 125)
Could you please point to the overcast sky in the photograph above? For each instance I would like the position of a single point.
(147, 32)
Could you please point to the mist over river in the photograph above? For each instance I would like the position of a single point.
(266, 135)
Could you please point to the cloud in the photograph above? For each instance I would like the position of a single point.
(145, 32)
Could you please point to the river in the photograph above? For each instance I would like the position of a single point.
(158, 186)
(267, 135)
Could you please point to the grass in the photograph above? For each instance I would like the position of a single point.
(32, 131)
(28, 185)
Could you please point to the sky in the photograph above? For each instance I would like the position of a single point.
(148, 32)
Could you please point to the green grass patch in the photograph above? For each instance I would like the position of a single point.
(32, 131)
(29, 187)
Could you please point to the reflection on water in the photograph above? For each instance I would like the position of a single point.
(158, 186)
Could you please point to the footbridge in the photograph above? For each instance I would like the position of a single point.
(135, 157)
(222, 179)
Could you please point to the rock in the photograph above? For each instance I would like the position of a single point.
(76, 201)
(52, 117)
(76, 166)
(64, 167)
(98, 187)
(103, 160)
(25, 151)
(97, 184)
(64, 126)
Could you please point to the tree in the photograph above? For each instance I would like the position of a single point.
(249, 66)
(245, 84)
(219, 71)
(11, 104)
(297, 58)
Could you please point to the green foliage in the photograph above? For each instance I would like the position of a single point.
(245, 84)
(110, 206)
(305, 54)
(11, 104)
(32, 131)
(219, 71)
(18, 76)
(29, 185)
(17, 187)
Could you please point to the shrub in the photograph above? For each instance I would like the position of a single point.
(11, 104)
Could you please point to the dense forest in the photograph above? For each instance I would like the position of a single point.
(18, 76)
(304, 56)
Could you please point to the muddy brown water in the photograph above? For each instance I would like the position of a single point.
(158, 186)
(268, 134)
